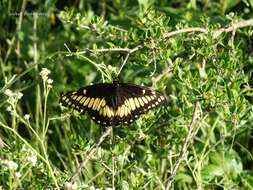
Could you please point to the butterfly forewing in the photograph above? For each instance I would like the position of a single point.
(93, 99)
(113, 103)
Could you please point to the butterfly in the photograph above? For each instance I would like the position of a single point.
(115, 103)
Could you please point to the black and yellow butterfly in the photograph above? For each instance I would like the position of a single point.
(113, 103)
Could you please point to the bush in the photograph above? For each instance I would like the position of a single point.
(198, 54)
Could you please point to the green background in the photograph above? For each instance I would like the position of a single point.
(66, 37)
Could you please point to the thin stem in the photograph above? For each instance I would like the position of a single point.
(97, 66)
(49, 165)
(89, 154)
(45, 160)
(35, 48)
(123, 63)
(154, 60)
(215, 33)
(19, 24)
(113, 172)
(23, 140)
(183, 149)
(233, 27)
(44, 109)
(184, 30)
(127, 56)
(103, 50)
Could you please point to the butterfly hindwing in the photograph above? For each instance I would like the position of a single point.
(113, 103)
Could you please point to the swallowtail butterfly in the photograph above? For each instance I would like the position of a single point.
(113, 103)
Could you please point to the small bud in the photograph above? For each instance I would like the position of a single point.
(27, 116)
(32, 159)
(8, 92)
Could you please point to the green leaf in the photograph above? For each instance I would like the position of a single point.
(125, 185)
(211, 171)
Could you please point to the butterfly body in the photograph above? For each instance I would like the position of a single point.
(113, 103)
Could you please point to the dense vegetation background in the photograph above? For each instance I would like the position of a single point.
(202, 139)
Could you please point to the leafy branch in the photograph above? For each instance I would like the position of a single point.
(216, 33)
(183, 148)
(89, 154)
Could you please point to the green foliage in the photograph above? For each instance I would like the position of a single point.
(87, 42)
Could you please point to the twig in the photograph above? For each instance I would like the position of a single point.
(215, 33)
(185, 30)
(126, 50)
(165, 72)
(127, 56)
(154, 57)
(183, 149)
(14, 38)
(89, 154)
(113, 172)
(102, 50)
(233, 27)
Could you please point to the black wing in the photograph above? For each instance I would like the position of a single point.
(136, 100)
(113, 103)
(93, 99)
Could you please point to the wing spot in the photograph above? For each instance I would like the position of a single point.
(127, 104)
(148, 98)
(74, 97)
(91, 103)
(132, 104)
(95, 104)
(152, 97)
(63, 97)
(136, 102)
(141, 102)
(144, 100)
(104, 112)
(122, 111)
(156, 103)
(112, 112)
(143, 91)
(84, 91)
(98, 121)
(153, 105)
(79, 98)
(86, 102)
(100, 104)
(93, 118)
(81, 110)
(101, 111)
(108, 111)
(103, 103)
(126, 122)
(82, 100)
(131, 120)
(104, 123)
(136, 116)
(125, 110)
